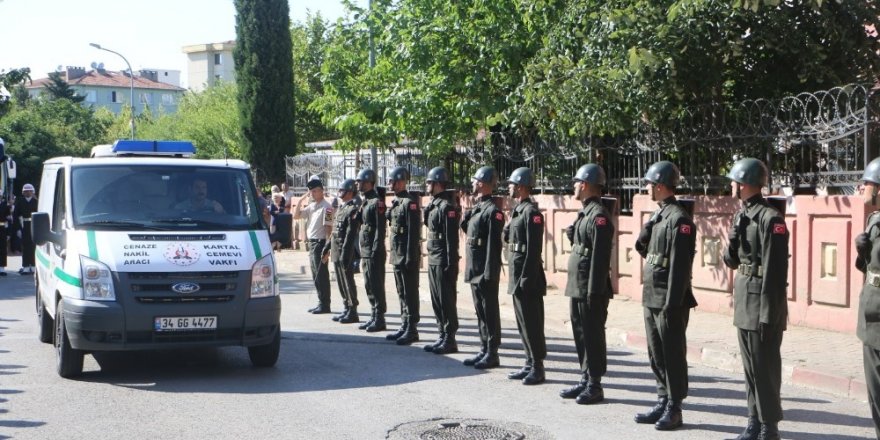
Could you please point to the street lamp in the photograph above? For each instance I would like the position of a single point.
(130, 76)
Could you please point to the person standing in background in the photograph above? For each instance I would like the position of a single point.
(24, 207)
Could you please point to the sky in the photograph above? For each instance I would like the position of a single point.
(45, 34)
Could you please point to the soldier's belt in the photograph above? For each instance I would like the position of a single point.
(657, 260)
(475, 241)
(581, 250)
(517, 247)
(398, 230)
(873, 278)
(755, 270)
(435, 236)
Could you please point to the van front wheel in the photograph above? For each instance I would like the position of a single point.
(68, 361)
(266, 355)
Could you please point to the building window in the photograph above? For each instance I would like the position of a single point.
(146, 98)
(218, 59)
(115, 97)
(167, 99)
(91, 96)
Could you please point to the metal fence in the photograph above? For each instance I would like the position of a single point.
(813, 143)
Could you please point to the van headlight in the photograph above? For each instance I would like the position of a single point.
(263, 282)
(97, 280)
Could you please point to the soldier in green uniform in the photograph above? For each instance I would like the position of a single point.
(667, 242)
(405, 218)
(758, 251)
(528, 285)
(342, 250)
(868, 261)
(372, 248)
(589, 283)
(441, 218)
(483, 225)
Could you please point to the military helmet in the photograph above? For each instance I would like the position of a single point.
(398, 173)
(366, 175)
(438, 175)
(522, 176)
(872, 172)
(749, 171)
(590, 173)
(487, 175)
(314, 182)
(663, 172)
(348, 185)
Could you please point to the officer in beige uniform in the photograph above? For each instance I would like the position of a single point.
(319, 227)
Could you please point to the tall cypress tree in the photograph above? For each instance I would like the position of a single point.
(264, 74)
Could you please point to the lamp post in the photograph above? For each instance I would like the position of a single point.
(130, 76)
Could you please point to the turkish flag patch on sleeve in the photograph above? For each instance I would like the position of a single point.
(685, 229)
(601, 221)
(499, 216)
(451, 214)
(779, 228)
(413, 207)
(537, 220)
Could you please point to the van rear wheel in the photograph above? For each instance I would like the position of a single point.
(266, 355)
(47, 326)
(68, 361)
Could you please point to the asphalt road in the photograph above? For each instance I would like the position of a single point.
(336, 382)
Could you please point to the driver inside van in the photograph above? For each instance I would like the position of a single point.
(198, 199)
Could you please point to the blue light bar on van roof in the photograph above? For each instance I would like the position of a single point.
(150, 148)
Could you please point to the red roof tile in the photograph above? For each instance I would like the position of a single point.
(107, 78)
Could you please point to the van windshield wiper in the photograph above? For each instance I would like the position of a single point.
(190, 220)
(121, 224)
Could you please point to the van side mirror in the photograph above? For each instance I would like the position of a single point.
(41, 232)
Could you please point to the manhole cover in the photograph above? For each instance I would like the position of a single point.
(466, 429)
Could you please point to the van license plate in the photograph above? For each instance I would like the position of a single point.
(183, 323)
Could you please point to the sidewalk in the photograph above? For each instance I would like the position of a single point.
(818, 359)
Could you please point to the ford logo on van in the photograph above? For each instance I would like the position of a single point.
(186, 287)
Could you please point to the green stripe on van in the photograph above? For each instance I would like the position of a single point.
(43, 259)
(256, 244)
(93, 247)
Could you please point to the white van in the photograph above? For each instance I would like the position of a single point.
(145, 248)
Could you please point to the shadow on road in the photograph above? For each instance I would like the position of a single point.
(308, 362)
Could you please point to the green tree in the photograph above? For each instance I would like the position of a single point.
(263, 65)
(608, 66)
(9, 80)
(209, 119)
(58, 88)
(309, 42)
(49, 128)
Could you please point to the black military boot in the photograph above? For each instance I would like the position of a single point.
(320, 309)
(435, 344)
(572, 392)
(592, 393)
(471, 361)
(378, 324)
(400, 331)
(535, 376)
(654, 414)
(351, 317)
(753, 428)
(448, 346)
(340, 315)
(490, 360)
(522, 373)
(671, 418)
(409, 336)
(769, 431)
(369, 321)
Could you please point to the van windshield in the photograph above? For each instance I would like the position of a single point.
(137, 197)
